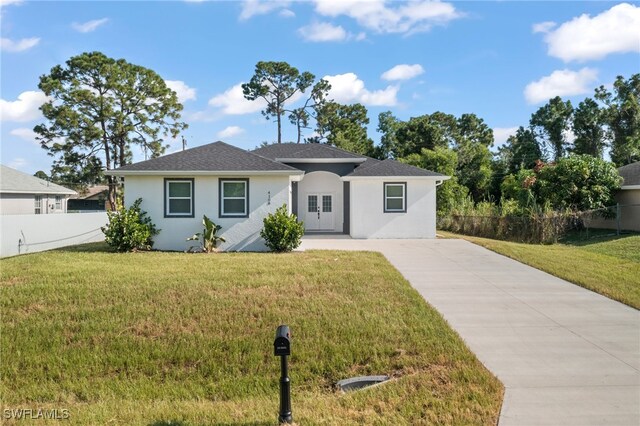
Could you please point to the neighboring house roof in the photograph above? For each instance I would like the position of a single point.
(217, 157)
(291, 152)
(92, 191)
(376, 168)
(15, 182)
(631, 175)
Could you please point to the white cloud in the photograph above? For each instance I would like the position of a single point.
(348, 88)
(410, 17)
(586, 38)
(287, 13)
(233, 102)
(543, 27)
(184, 92)
(18, 163)
(501, 134)
(9, 45)
(30, 136)
(229, 132)
(561, 83)
(25, 134)
(569, 136)
(4, 3)
(251, 8)
(205, 115)
(25, 108)
(402, 72)
(323, 31)
(89, 26)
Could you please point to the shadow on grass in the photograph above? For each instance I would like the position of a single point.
(100, 247)
(595, 236)
(180, 423)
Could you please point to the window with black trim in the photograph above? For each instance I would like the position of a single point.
(234, 197)
(395, 197)
(38, 204)
(178, 196)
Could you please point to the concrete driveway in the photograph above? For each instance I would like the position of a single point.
(566, 355)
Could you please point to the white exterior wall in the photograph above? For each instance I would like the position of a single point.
(32, 233)
(240, 233)
(368, 219)
(18, 204)
(11, 204)
(322, 183)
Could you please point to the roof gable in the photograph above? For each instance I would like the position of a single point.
(306, 151)
(17, 182)
(388, 167)
(213, 157)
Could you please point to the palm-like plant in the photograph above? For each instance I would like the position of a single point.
(209, 237)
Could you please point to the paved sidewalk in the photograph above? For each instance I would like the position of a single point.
(566, 355)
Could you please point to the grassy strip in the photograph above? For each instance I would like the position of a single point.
(607, 265)
(153, 338)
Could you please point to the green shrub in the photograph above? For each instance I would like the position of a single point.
(282, 231)
(129, 229)
(579, 182)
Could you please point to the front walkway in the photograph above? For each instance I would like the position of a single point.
(566, 355)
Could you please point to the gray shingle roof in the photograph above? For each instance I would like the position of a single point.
(91, 191)
(222, 157)
(213, 157)
(304, 151)
(389, 168)
(370, 168)
(16, 182)
(630, 173)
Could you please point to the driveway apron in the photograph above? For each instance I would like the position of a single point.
(566, 355)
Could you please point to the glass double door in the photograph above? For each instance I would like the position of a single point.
(319, 212)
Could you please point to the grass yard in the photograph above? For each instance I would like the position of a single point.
(609, 265)
(173, 338)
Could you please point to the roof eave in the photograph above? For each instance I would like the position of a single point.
(629, 187)
(203, 172)
(435, 178)
(29, 191)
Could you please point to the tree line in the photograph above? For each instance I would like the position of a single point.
(100, 108)
(563, 137)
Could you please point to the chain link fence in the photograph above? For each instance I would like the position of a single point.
(546, 228)
(620, 218)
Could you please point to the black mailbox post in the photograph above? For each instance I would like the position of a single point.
(282, 348)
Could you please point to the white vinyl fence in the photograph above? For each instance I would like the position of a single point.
(30, 233)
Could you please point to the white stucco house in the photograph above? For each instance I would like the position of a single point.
(21, 193)
(331, 190)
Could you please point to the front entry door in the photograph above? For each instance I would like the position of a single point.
(319, 214)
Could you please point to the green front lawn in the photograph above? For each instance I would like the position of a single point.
(153, 338)
(609, 265)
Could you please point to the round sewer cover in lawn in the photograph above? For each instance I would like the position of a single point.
(356, 383)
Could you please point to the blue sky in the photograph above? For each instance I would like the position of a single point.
(500, 60)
